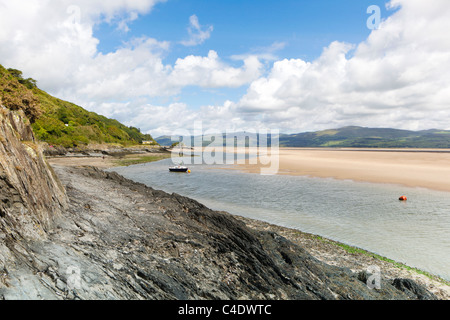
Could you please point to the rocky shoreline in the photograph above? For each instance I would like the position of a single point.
(122, 240)
(77, 232)
(334, 253)
(96, 150)
(104, 156)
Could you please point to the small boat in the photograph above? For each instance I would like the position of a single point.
(178, 169)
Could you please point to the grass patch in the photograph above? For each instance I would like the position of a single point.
(356, 250)
(141, 159)
(333, 143)
(327, 133)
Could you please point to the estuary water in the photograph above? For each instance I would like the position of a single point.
(366, 215)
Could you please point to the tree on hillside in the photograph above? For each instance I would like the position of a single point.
(16, 73)
(30, 83)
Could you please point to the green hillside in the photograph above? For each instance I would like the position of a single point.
(361, 137)
(16, 96)
(60, 122)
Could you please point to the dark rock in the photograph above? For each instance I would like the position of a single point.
(110, 238)
(53, 151)
(31, 194)
(412, 289)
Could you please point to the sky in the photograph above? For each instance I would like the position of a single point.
(289, 65)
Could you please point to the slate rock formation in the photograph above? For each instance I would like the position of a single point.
(30, 193)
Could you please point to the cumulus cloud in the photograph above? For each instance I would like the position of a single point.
(211, 72)
(53, 42)
(398, 77)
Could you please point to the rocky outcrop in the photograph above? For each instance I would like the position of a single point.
(99, 150)
(31, 195)
(123, 240)
(83, 233)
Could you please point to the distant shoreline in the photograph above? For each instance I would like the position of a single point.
(425, 168)
(325, 250)
(420, 150)
(107, 161)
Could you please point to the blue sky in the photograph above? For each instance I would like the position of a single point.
(305, 27)
(288, 29)
(162, 65)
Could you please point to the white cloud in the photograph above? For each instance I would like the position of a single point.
(398, 77)
(155, 119)
(53, 42)
(196, 34)
(211, 72)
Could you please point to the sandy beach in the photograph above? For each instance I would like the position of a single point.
(408, 167)
(106, 161)
(413, 168)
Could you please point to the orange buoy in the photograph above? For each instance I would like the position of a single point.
(402, 198)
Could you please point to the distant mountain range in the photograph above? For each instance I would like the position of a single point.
(361, 137)
(346, 137)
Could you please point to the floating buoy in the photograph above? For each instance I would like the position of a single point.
(189, 171)
(402, 198)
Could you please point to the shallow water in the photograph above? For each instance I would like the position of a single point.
(366, 215)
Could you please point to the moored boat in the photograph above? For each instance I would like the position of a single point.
(178, 169)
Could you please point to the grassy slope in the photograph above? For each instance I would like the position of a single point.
(63, 123)
(15, 96)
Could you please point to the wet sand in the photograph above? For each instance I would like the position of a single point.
(81, 161)
(413, 168)
(102, 162)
